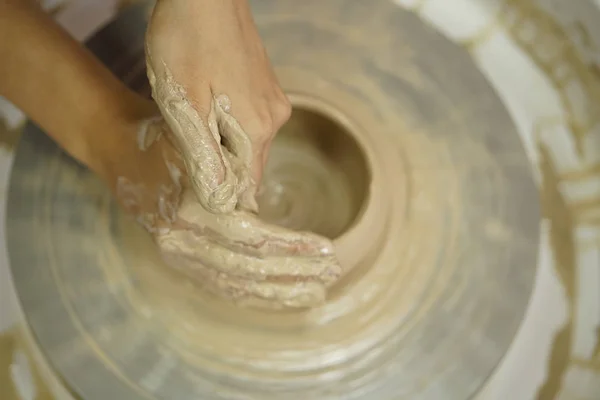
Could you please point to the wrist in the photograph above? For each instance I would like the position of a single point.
(112, 135)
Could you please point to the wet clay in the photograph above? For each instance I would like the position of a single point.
(215, 238)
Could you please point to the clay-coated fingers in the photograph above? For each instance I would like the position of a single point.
(237, 148)
(233, 136)
(246, 233)
(204, 251)
(246, 189)
(247, 292)
(274, 294)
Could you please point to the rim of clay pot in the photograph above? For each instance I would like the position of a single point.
(352, 244)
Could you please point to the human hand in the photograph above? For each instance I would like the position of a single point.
(234, 255)
(213, 82)
(238, 256)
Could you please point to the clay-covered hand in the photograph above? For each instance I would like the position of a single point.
(213, 82)
(254, 263)
(234, 255)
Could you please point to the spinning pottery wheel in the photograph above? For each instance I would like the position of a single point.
(398, 149)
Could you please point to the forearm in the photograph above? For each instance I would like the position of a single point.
(58, 83)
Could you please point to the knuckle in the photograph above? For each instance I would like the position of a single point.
(282, 111)
(268, 119)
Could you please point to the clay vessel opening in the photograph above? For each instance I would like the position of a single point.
(317, 177)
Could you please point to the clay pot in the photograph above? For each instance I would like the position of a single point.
(324, 176)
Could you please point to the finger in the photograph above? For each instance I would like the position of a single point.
(233, 136)
(248, 124)
(275, 295)
(265, 294)
(204, 251)
(244, 232)
(237, 148)
(246, 189)
(208, 170)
